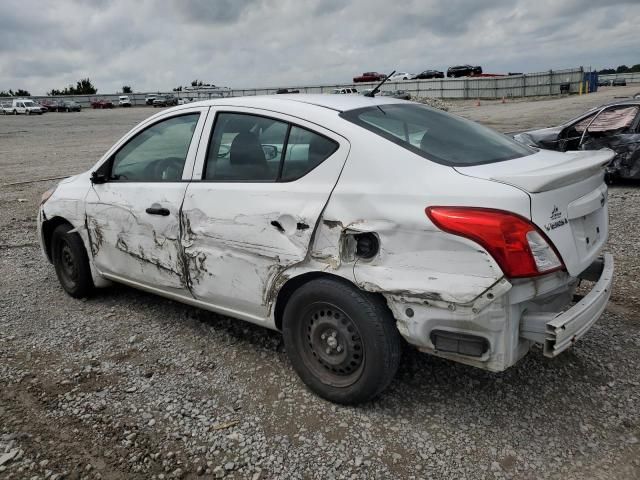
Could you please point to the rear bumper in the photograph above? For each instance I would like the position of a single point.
(558, 331)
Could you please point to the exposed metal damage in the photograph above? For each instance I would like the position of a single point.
(615, 126)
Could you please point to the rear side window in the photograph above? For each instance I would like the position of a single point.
(253, 148)
(436, 135)
(305, 151)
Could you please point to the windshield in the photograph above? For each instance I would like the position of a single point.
(436, 135)
(29, 104)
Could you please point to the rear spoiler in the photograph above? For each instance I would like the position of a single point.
(578, 166)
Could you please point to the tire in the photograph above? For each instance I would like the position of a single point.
(71, 262)
(15, 112)
(342, 342)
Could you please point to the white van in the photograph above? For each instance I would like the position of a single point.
(22, 105)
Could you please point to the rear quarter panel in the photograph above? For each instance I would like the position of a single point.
(384, 189)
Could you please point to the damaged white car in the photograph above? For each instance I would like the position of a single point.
(348, 223)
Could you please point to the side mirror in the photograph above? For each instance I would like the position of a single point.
(97, 178)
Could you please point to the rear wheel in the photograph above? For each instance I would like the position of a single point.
(71, 262)
(342, 342)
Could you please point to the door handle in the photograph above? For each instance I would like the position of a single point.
(158, 211)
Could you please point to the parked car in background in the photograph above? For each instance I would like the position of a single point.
(400, 76)
(50, 105)
(465, 243)
(185, 100)
(619, 82)
(124, 101)
(345, 91)
(42, 107)
(69, 106)
(148, 100)
(463, 71)
(24, 106)
(369, 77)
(285, 91)
(427, 74)
(102, 103)
(614, 125)
(165, 101)
(401, 94)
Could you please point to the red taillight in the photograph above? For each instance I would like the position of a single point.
(506, 236)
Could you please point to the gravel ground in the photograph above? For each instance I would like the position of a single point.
(129, 385)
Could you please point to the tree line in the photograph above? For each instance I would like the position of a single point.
(82, 87)
(18, 93)
(620, 69)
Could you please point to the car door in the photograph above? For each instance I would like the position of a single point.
(133, 207)
(264, 182)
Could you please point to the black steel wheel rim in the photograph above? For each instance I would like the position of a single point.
(331, 345)
(68, 264)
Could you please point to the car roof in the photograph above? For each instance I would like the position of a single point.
(339, 103)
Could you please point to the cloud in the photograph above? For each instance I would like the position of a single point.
(157, 45)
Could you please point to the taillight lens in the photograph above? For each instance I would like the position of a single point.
(516, 244)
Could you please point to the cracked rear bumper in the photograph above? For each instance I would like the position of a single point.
(557, 331)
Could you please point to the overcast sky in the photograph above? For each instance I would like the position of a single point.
(157, 45)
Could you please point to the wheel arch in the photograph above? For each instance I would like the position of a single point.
(294, 283)
(48, 226)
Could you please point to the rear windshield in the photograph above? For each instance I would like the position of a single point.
(437, 135)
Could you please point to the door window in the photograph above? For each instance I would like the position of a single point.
(305, 151)
(158, 153)
(245, 148)
(252, 148)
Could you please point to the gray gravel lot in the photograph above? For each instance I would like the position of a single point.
(129, 385)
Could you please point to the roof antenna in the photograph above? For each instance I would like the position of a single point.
(373, 92)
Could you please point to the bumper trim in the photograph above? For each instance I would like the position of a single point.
(558, 331)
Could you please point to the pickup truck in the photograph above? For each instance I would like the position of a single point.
(21, 105)
(369, 77)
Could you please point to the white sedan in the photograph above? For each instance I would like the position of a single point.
(349, 223)
(400, 76)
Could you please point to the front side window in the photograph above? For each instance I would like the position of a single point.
(436, 135)
(252, 148)
(158, 153)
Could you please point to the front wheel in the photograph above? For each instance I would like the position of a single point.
(71, 262)
(342, 342)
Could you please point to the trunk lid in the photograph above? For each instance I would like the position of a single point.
(568, 198)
